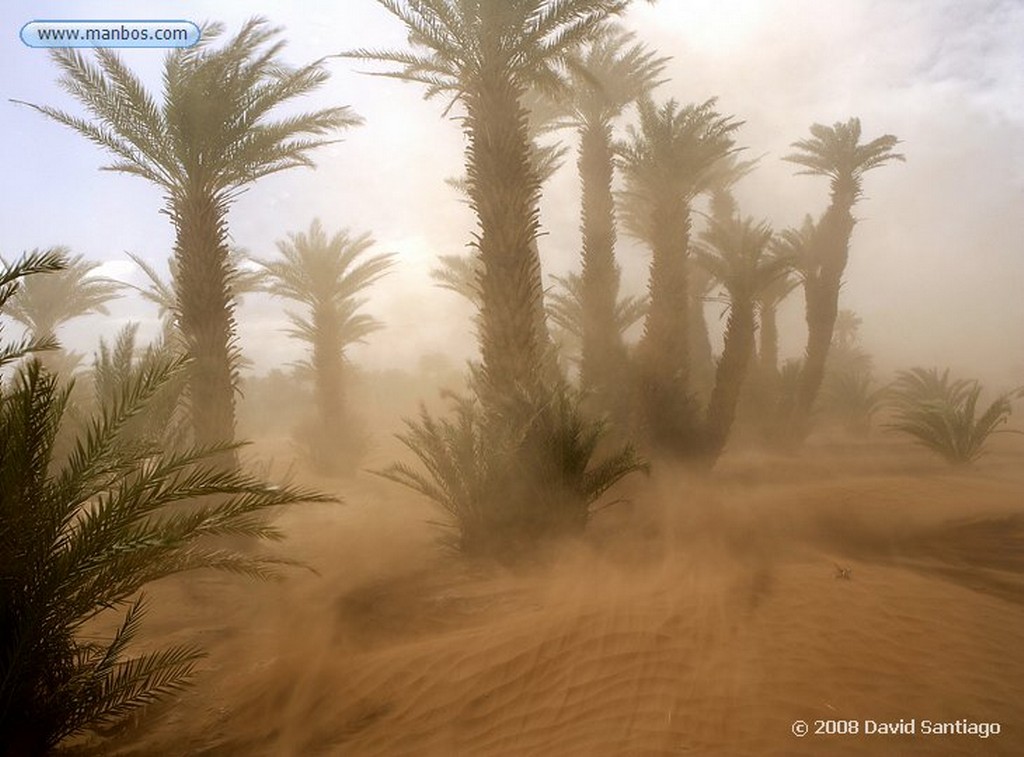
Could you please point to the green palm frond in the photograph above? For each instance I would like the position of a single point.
(83, 530)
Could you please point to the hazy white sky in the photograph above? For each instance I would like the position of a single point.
(937, 262)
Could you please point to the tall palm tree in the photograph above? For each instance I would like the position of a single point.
(210, 136)
(43, 303)
(326, 275)
(611, 73)
(836, 152)
(160, 291)
(666, 163)
(721, 178)
(486, 55)
(734, 253)
(566, 310)
(702, 358)
(12, 277)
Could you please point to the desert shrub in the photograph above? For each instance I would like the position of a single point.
(83, 531)
(509, 480)
(852, 398)
(942, 413)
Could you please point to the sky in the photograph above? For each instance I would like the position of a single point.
(936, 268)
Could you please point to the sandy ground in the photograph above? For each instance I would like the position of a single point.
(863, 582)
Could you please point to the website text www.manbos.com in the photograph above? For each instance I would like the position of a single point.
(110, 34)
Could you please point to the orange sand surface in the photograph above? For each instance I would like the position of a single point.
(857, 582)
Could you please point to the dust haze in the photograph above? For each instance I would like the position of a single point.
(843, 554)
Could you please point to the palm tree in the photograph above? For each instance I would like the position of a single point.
(610, 73)
(734, 253)
(326, 275)
(210, 137)
(486, 56)
(12, 278)
(721, 178)
(702, 358)
(160, 291)
(475, 473)
(566, 310)
(942, 414)
(82, 532)
(768, 301)
(835, 152)
(43, 303)
(666, 163)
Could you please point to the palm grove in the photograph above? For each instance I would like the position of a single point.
(95, 509)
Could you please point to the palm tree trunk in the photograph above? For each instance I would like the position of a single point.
(603, 349)
(328, 367)
(206, 314)
(729, 377)
(701, 357)
(769, 332)
(504, 192)
(831, 243)
(664, 352)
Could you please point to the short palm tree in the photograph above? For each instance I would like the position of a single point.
(734, 253)
(666, 162)
(611, 73)
(486, 56)
(836, 152)
(13, 277)
(498, 503)
(210, 136)
(83, 531)
(326, 275)
(43, 303)
(942, 414)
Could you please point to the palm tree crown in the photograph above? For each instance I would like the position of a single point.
(734, 253)
(326, 274)
(212, 127)
(460, 43)
(43, 303)
(835, 151)
(669, 156)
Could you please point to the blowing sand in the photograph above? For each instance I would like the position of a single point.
(861, 583)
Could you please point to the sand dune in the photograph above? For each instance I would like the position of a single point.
(705, 618)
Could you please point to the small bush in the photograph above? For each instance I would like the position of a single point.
(510, 480)
(942, 414)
